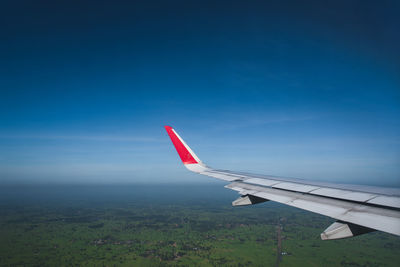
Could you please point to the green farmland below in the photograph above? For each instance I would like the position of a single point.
(170, 225)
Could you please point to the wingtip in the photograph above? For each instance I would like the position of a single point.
(185, 153)
(169, 129)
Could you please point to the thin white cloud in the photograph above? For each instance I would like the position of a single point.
(82, 137)
(250, 120)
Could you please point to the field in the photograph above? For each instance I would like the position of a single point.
(175, 225)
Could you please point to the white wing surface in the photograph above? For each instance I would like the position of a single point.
(358, 209)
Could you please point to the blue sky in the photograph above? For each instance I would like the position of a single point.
(274, 87)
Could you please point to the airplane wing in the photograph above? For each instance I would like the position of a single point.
(357, 209)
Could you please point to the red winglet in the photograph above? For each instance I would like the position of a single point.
(180, 147)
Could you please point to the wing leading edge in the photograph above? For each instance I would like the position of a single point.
(357, 209)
